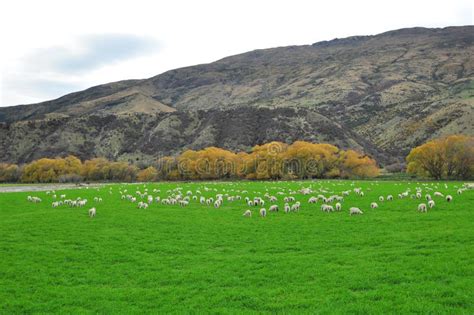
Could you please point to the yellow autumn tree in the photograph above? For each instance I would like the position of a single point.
(448, 157)
(355, 164)
(9, 173)
(149, 174)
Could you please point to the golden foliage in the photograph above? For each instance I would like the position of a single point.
(448, 157)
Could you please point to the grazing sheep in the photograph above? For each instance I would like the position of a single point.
(389, 198)
(142, 205)
(438, 194)
(338, 206)
(313, 200)
(449, 198)
(287, 208)
(431, 203)
(422, 207)
(247, 213)
(418, 195)
(428, 197)
(263, 212)
(273, 208)
(354, 210)
(374, 205)
(327, 208)
(295, 207)
(92, 212)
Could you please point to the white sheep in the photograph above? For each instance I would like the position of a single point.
(287, 208)
(438, 194)
(449, 198)
(263, 212)
(247, 213)
(92, 212)
(338, 206)
(374, 205)
(295, 207)
(355, 210)
(422, 207)
(273, 208)
(431, 203)
(389, 198)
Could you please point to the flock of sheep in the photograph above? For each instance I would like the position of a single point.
(330, 202)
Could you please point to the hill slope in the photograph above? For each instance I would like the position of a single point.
(394, 90)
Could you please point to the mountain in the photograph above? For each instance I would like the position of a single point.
(381, 94)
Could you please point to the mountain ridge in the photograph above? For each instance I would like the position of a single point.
(394, 90)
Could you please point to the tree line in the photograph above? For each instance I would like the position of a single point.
(274, 160)
(449, 157)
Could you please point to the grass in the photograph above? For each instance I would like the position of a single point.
(198, 259)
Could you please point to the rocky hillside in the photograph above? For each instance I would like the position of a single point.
(383, 94)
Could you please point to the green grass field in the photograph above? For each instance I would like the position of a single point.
(172, 259)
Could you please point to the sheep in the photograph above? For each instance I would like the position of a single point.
(431, 203)
(449, 198)
(92, 212)
(418, 195)
(142, 205)
(313, 200)
(374, 205)
(438, 194)
(287, 208)
(338, 206)
(389, 198)
(295, 207)
(422, 207)
(327, 208)
(428, 197)
(381, 198)
(354, 210)
(273, 208)
(263, 212)
(247, 213)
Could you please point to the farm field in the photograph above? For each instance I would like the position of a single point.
(201, 259)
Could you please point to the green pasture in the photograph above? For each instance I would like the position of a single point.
(198, 259)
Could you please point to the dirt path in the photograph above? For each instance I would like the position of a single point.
(24, 188)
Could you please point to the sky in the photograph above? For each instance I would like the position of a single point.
(53, 47)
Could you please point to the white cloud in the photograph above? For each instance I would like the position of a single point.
(67, 36)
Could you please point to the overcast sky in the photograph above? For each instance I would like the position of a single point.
(50, 48)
